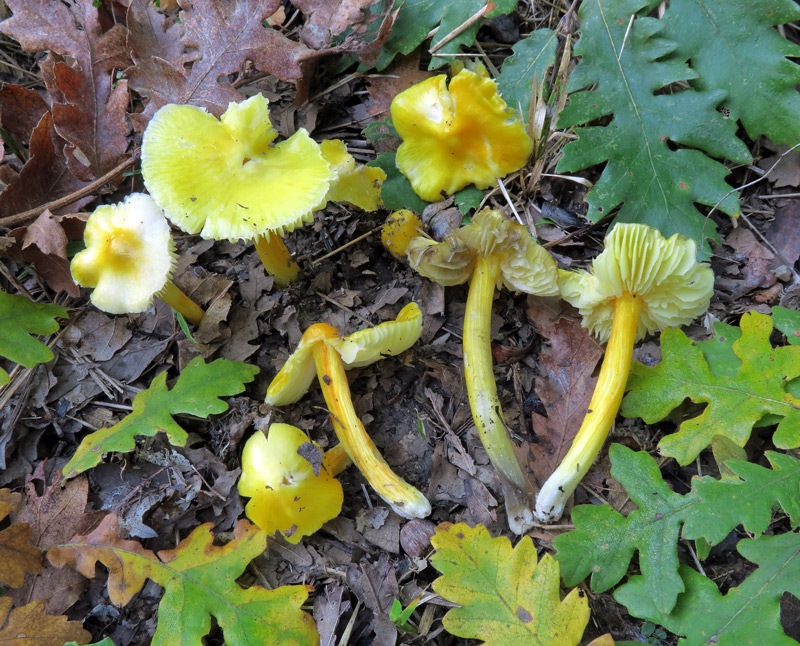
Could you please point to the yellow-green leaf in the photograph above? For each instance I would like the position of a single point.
(199, 581)
(21, 317)
(196, 392)
(506, 596)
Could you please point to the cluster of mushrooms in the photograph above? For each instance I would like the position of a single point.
(229, 178)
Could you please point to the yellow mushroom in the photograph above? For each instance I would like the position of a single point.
(398, 230)
(229, 178)
(323, 352)
(129, 258)
(640, 283)
(457, 135)
(490, 252)
(291, 484)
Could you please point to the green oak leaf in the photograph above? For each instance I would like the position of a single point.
(198, 391)
(735, 403)
(20, 318)
(657, 146)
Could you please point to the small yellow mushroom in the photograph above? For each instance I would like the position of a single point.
(291, 484)
(323, 352)
(490, 252)
(457, 135)
(640, 283)
(129, 258)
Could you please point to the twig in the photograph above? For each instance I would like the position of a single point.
(489, 6)
(345, 245)
(24, 216)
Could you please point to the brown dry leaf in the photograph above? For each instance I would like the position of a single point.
(568, 362)
(400, 75)
(44, 177)
(20, 110)
(88, 109)
(17, 555)
(219, 36)
(756, 270)
(30, 626)
(44, 243)
(327, 18)
(54, 517)
(376, 587)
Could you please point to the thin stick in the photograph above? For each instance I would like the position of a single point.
(346, 245)
(24, 216)
(463, 26)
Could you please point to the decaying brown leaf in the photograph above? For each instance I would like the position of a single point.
(54, 517)
(17, 555)
(568, 359)
(30, 626)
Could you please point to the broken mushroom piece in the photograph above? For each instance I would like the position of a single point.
(227, 178)
(640, 283)
(129, 258)
(354, 184)
(457, 135)
(291, 484)
(324, 352)
(490, 252)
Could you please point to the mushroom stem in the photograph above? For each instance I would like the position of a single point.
(404, 499)
(336, 460)
(603, 409)
(482, 392)
(277, 259)
(181, 303)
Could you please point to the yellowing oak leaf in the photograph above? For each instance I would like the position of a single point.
(506, 596)
(199, 581)
(29, 626)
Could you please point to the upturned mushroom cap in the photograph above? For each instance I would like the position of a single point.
(288, 493)
(354, 184)
(456, 136)
(227, 178)
(129, 255)
(637, 259)
(525, 266)
(449, 262)
(359, 349)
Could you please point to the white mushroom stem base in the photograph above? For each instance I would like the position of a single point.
(277, 259)
(603, 409)
(181, 303)
(482, 393)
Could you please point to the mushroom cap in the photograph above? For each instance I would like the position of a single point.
(525, 266)
(227, 178)
(386, 339)
(637, 259)
(399, 229)
(354, 184)
(129, 255)
(358, 349)
(288, 493)
(449, 262)
(458, 136)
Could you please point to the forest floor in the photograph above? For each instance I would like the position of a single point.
(414, 406)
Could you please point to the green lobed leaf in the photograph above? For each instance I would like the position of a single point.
(747, 614)
(734, 402)
(197, 391)
(504, 595)
(20, 318)
(748, 500)
(604, 541)
(416, 18)
(199, 581)
(532, 57)
(788, 322)
(658, 146)
(734, 46)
